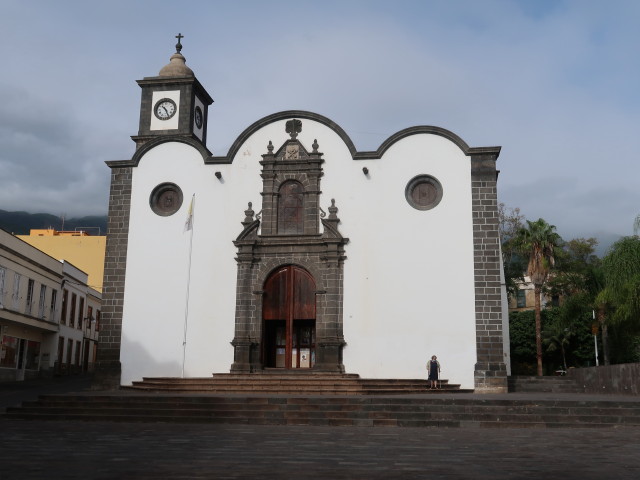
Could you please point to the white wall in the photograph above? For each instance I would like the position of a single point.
(409, 289)
(408, 277)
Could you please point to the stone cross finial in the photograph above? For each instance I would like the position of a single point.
(179, 45)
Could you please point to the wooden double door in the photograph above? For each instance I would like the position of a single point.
(289, 319)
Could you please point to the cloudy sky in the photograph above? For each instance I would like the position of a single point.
(555, 83)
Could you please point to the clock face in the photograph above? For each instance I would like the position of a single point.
(198, 117)
(165, 109)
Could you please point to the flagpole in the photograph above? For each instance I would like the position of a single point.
(188, 226)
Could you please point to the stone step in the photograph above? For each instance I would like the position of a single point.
(333, 418)
(297, 391)
(338, 403)
(363, 411)
(308, 384)
(253, 405)
(264, 379)
(278, 373)
(553, 384)
(565, 407)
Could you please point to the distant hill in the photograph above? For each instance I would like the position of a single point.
(19, 223)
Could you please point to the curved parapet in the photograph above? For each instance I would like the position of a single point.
(355, 154)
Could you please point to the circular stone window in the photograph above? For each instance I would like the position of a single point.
(423, 192)
(166, 199)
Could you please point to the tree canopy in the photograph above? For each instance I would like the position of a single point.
(598, 297)
(621, 268)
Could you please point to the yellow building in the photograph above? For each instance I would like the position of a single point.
(78, 247)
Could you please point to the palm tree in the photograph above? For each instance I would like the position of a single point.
(538, 241)
(557, 337)
(603, 306)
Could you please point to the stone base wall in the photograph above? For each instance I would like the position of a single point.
(106, 376)
(615, 379)
(490, 378)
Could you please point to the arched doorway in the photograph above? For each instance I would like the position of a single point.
(289, 319)
(296, 322)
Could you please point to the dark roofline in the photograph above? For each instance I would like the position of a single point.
(302, 114)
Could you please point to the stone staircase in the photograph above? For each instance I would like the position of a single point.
(274, 398)
(531, 384)
(350, 410)
(292, 384)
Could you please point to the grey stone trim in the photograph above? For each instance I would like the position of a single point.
(276, 170)
(171, 83)
(151, 142)
(145, 142)
(322, 255)
(355, 154)
(108, 368)
(490, 375)
(253, 269)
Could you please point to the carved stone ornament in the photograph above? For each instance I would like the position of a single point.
(293, 128)
(293, 152)
(423, 192)
(248, 215)
(166, 199)
(285, 240)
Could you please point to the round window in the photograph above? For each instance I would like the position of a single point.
(166, 199)
(423, 192)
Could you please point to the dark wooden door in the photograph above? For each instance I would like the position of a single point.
(289, 314)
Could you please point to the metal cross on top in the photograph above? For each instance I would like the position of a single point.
(179, 45)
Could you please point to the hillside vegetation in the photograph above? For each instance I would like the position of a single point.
(20, 223)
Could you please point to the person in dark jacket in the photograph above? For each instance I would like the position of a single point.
(433, 367)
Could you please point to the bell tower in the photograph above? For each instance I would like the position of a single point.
(174, 103)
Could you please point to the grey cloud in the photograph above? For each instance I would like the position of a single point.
(43, 157)
(552, 84)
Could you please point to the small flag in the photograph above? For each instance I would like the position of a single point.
(188, 224)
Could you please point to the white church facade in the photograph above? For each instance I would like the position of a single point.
(295, 251)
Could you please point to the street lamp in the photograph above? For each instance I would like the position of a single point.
(594, 330)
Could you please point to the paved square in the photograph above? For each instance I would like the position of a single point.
(100, 450)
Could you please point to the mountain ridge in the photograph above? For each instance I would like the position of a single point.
(20, 223)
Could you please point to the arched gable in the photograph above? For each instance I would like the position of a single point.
(355, 154)
(301, 114)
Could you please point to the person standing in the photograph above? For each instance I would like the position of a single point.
(433, 367)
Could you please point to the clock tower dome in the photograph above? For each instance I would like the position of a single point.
(174, 103)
